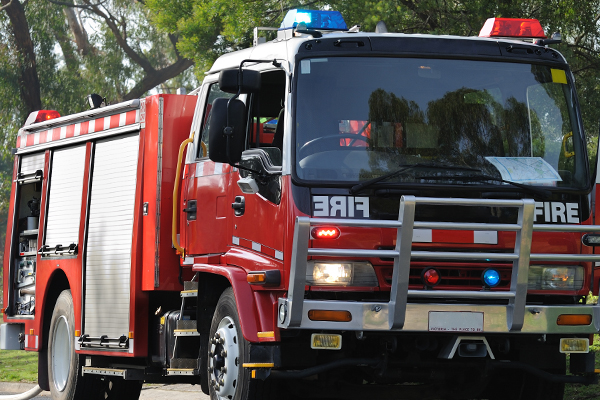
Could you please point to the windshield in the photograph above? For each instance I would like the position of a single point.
(360, 118)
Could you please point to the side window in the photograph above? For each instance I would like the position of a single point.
(214, 92)
(266, 123)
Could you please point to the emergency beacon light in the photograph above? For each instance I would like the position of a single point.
(314, 20)
(512, 27)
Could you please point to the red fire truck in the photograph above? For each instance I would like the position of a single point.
(331, 214)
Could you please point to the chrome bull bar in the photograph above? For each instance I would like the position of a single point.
(292, 308)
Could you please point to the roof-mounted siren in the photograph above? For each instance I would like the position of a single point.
(311, 22)
(518, 28)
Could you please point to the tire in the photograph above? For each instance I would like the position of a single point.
(64, 365)
(227, 352)
(66, 382)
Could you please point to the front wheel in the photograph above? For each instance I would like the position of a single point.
(227, 352)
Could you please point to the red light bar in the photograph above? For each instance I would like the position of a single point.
(325, 233)
(41, 116)
(512, 27)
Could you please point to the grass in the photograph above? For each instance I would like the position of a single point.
(18, 366)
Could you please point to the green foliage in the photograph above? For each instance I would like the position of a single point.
(210, 28)
(67, 74)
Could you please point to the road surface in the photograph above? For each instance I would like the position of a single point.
(149, 392)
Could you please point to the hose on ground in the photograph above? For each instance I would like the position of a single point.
(30, 394)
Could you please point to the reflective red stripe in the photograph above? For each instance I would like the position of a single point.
(70, 131)
(130, 117)
(114, 121)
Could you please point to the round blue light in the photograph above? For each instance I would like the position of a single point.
(491, 277)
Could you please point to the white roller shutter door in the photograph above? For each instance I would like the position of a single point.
(64, 203)
(110, 231)
(32, 163)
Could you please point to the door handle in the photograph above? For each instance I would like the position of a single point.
(191, 210)
(239, 206)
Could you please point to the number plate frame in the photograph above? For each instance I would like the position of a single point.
(456, 321)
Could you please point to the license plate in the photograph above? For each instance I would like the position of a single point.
(455, 321)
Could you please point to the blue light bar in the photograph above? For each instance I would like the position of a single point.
(315, 19)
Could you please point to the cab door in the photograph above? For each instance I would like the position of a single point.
(258, 222)
(205, 205)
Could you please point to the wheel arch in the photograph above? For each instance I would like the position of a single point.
(211, 283)
(57, 283)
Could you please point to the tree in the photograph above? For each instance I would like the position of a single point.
(54, 53)
(210, 28)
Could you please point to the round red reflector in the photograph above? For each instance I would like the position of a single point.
(323, 232)
(431, 277)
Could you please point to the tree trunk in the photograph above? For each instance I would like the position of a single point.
(28, 80)
(157, 77)
(81, 37)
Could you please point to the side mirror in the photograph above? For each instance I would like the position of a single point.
(230, 81)
(227, 147)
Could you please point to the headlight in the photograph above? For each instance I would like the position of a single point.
(340, 274)
(555, 277)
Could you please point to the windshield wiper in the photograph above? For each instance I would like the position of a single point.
(482, 177)
(407, 168)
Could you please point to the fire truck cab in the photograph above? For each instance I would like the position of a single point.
(331, 214)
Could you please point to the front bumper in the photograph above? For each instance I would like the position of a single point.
(375, 316)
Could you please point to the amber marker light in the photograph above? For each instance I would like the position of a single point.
(268, 278)
(330, 315)
(256, 278)
(325, 232)
(574, 319)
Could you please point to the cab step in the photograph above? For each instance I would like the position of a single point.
(186, 332)
(126, 373)
(190, 289)
(182, 371)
